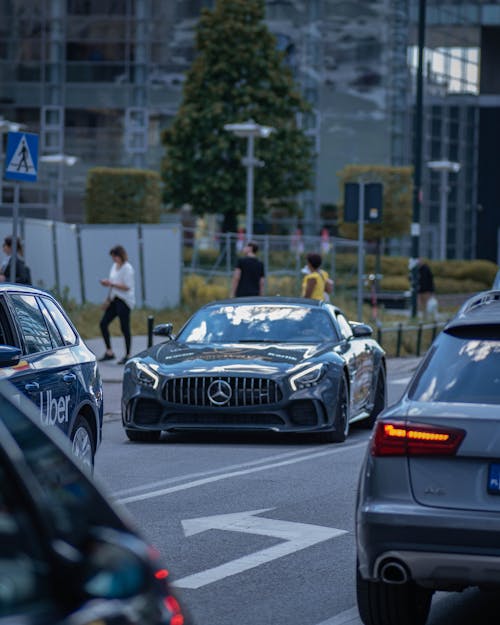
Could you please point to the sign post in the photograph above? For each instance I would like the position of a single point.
(362, 203)
(21, 164)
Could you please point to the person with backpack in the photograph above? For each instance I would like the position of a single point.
(23, 273)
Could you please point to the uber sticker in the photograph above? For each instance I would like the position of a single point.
(53, 410)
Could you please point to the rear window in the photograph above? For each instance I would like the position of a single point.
(463, 369)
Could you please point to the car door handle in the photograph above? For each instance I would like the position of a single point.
(31, 387)
(69, 378)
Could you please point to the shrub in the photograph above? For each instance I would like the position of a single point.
(119, 195)
(196, 291)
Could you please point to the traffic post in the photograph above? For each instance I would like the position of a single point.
(362, 203)
(21, 165)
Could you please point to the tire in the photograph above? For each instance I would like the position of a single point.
(379, 400)
(82, 442)
(143, 436)
(392, 604)
(341, 431)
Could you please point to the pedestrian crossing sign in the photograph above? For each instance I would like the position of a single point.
(21, 162)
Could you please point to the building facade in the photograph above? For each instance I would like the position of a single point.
(100, 79)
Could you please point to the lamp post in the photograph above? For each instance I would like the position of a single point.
(444, 167)
(251, 130)
(6, 126)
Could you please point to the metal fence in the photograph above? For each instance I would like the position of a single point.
(215, 255)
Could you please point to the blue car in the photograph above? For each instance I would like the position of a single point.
(43, 356)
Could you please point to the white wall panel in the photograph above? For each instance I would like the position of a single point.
(39, 252)
(161, 252)
(96, 241)
(67, 261)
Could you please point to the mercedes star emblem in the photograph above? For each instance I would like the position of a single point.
(219, 392)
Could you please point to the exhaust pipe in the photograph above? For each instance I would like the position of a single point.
(393, 572)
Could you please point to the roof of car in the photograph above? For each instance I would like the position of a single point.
(480, 309)
(13, 287)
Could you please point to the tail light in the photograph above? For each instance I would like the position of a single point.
(172, 605)
(397, 438)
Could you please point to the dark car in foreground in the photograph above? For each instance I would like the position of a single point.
(428, 509)
(43, 356)
(67, 557)
(268, 363)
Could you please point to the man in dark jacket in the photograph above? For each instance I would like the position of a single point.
(248, 276)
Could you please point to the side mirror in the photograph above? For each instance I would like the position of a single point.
(163, 329)
(9, 355)
(360, 330)
(116, 566)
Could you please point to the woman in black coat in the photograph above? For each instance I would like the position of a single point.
(23, 274)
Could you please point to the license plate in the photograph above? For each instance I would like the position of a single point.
(494, 478)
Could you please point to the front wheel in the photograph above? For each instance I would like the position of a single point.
(82, 440)
(340, 430)
(380, 603)
(379, 399)
(143, 436)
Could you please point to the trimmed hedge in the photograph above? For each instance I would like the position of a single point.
(118, 195)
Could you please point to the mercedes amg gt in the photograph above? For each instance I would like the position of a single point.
(263, 363)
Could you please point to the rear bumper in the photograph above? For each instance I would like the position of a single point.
(444, 570)
(438, 547)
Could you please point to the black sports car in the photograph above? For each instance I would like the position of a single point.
(261, 363)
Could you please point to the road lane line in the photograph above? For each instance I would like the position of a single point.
(240, 465)
(297, 536)
(225, 476)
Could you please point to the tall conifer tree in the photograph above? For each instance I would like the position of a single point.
(238, 74)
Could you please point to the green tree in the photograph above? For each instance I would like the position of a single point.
(238, 74)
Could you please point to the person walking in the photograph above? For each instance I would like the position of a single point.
(316, 284)
(425, 286)
(248, 275)
(23, 273)
(120, 301)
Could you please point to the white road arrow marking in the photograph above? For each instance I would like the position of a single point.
(296, 536)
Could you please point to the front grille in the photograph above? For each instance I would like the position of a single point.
(193, 391)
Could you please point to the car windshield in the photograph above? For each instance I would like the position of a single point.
(242, 323)
(460, 369)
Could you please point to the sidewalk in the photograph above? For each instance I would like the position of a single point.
(112, 372)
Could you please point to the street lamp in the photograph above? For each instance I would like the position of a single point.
(444, 167)
(5, 127)
(251, 130)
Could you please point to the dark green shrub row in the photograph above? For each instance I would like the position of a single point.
(119, 195)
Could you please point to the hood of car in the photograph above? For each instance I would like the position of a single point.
(262, 357)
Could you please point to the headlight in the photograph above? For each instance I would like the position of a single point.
(144, 375)
(308, 377)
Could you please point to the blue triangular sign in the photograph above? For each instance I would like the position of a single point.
(21, 161)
